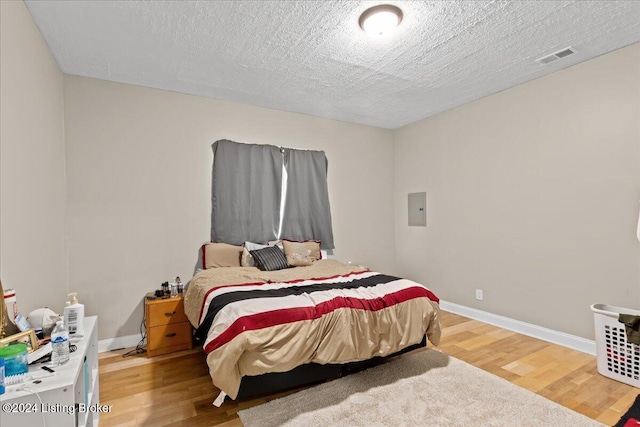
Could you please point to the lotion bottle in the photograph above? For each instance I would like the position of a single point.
(74, 316)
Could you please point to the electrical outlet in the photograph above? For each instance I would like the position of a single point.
(479, 294)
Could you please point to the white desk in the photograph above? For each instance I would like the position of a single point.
(70, 396)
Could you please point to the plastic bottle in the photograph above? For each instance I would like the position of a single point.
(179, 285)
(74, 316)
(60, 344)
(173, 287)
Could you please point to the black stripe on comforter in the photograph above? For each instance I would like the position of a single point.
(220, 301)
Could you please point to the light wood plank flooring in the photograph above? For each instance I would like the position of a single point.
(175, 390)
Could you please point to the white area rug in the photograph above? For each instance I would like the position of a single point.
(424, 389)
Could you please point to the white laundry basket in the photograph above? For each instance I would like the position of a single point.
(617, 358)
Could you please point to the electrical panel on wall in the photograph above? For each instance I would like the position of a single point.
(418, 209)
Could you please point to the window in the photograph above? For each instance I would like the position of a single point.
(262, 193)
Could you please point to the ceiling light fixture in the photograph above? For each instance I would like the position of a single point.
(381, 19)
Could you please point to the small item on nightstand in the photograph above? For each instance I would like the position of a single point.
(165, 288)
(179, 287)
(159, 293)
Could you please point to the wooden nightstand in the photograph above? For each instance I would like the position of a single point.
(168, 328)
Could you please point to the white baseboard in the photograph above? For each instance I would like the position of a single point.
(118, 343)
(571, 341)
(577, 343)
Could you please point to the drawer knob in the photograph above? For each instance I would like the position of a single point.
(170, 313)
(170, 335)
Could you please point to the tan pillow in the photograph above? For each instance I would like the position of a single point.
(246, 260)
(220, 255)
(301, 253)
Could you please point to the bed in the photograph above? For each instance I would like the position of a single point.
(255, 323)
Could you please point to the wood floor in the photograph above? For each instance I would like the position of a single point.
(175, 390)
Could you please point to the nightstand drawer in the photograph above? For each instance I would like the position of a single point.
(175, 334)
(164, 312)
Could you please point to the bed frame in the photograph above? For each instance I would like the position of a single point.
(310, 373)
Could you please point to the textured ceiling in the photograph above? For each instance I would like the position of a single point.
(311, 57)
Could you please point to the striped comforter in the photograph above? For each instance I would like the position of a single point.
(253, 322)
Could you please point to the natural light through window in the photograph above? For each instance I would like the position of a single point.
(282, 199)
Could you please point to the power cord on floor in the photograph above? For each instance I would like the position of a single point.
(140, 347)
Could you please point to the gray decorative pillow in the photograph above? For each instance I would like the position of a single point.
(246, 260)
(269, 259)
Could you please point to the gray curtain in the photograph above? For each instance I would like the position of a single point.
(246, 192)
(307, 214)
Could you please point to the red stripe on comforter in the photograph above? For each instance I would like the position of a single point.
(205, 300)
(279, 317)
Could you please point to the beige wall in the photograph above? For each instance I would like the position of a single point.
(32, 171)
(532, 196)
(139, 184)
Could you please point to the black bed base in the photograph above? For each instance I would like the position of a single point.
(310, 373)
